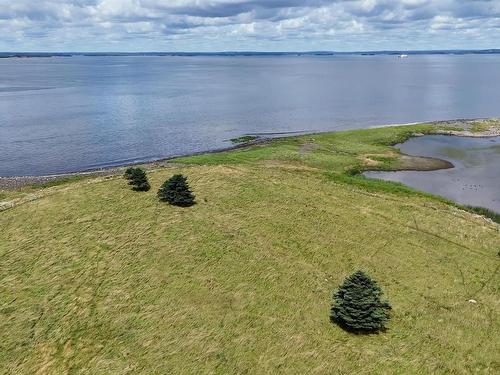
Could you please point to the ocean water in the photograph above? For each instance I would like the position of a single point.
(475, 179)
(64, 114)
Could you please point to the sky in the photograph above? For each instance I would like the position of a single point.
(247, 25)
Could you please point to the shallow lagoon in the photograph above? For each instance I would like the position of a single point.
(475, 179)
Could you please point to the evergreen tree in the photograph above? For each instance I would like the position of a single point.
(357, 304)
(176, 191)
(129, 172)
(137, 179)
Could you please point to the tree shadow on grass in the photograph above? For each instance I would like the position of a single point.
(359, 332)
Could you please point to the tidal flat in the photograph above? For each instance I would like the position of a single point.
(474, 178)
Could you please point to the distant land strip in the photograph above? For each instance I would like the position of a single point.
(249, 53)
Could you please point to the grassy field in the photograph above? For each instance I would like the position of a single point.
(98, 279)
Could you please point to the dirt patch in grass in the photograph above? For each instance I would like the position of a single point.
(308, 147)
(370, 163)
(291, 166)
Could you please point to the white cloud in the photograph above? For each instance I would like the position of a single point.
(247, 24)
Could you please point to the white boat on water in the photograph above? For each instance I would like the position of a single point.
(403, 56)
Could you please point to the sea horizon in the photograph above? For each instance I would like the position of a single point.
(7, 54)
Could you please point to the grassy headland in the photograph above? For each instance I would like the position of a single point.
(97, 278)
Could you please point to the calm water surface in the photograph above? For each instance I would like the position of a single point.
(69, 114)
(475, 180)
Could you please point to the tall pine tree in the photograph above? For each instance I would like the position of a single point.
(357, 304)
(176, 192)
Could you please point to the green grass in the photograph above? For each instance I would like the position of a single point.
(59, 182)
(99, 279)
(478, 126)
(336, 151)
(244, 139)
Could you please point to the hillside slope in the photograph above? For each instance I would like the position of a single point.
(96, 278)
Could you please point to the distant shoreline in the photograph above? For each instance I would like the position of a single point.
(14, 55)
(14, 182)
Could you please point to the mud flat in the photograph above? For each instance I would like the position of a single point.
(474, 178)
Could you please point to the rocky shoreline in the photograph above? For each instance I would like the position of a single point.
(10, 183)
(15, 182)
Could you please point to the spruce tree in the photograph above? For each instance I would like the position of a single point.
(137, 179)
(129, 172)
(357, 304)
(176, 192)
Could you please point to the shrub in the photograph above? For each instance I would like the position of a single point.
(357, 304)
(354, 171)
(137, 179)
(244, 139)
(176, 192)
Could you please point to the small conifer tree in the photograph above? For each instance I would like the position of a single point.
(176, 192)
(137, 179)
(357, 304)
(129, 172)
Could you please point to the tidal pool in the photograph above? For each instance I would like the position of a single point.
(475, 178)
